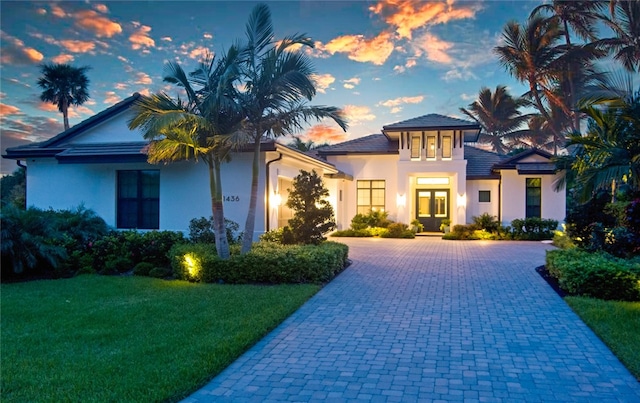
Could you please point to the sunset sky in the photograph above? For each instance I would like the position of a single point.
(381, 61)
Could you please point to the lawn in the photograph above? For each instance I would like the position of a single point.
(136, 339)
(616, 323)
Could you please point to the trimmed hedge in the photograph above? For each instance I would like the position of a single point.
(266, 263)
(596, 275)
(528, 229)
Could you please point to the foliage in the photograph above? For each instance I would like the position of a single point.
(201, 230)
(267, 263)
(100, 339)
(597, 275)
(486, 222)
(64, 85)
(277, 81)
(274, 235)
(13, 189)
(616, 323)
(353, 233)
(416, 226)
(533, 228)
(372, 219)
(397, 230)
(312, 212)
(562, 241)
(142, 269)
(46, 242)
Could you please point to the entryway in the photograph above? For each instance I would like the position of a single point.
(432, 206)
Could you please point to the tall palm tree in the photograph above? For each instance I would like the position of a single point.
(197, 128)
(277, 79)
(625, 23)
(64, 85)
(580, 17)
(530, 54)
(302, 145)
(499, 115)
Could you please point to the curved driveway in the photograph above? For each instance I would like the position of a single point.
(430, 320)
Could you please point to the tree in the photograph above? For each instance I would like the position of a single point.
(64, 85)
(313, 214)
(196, 129)
(609, 154)
(625, 23)
(530, 55)
(499, 115)
(13, 189)
(277, 78)
(301, 145)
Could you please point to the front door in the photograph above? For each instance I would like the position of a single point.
(432, 206)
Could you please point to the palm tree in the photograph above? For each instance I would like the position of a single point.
(64, 85)
(580, 17)
(197, 128)
(530, 55)
(302, 145)
(625, 23)
(499, 115)
(609, 154)
(277, 81)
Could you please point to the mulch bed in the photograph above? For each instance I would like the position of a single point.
(552, 281)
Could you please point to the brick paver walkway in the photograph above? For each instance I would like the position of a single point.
(430, 320)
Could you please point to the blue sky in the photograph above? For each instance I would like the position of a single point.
(381, 61)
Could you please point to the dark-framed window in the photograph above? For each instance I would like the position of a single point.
(415, 147)
(431, 146)
(138, 199)
(534, 198)
(446, 146)
(371, 194)
(484, 196)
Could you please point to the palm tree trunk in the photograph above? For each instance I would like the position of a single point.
(249, 227)
(575, 122)
(65, 113)
(543, 111)
(217, 209)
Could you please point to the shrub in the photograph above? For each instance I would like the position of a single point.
(596, 275)
(486, 222)
(160, 272)
(312, 212)
(533, 228)
(267, 263)
(561, 240)
(117, 265)
(142, 269)
(397, 230)
(201, 230)
(355, 233)
(416, 226)
(275, 235)
(372, 219)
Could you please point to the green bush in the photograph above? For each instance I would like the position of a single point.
(275, 235)
(142, 269)
(533, 228)
(372, 219)
(354, 233)
(398, 230)
(596, 275)
(486, 222)
(201, 230)
(160, 272)
(562, 240)
(266, 263)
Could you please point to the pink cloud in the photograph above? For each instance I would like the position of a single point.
(101, 7)
(62, 58)
(142, 78)
(356, 114)
(77, 46)
(111, 98)
(141, 39)
(436, 49)
(324, 134)
(100, 25)
(9, 110)
(357, 47)
(15, 52)
(323, 81)
(402, 100)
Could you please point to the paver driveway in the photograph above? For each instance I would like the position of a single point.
(430, 320)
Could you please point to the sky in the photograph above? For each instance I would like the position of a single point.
(380, 61)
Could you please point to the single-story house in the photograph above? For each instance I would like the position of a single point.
(420, 168)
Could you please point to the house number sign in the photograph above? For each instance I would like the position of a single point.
(232, 198)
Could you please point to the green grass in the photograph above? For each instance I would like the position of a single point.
(135, 339)
(616, 323)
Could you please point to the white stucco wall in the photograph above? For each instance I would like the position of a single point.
(474, 207)
(110, 131)
(514, 197)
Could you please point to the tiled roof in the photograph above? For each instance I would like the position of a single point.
(372, 144)
(433, 121)
(480, 163)
(106, 152)
(510, 163)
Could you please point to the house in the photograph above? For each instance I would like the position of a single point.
(420, 168)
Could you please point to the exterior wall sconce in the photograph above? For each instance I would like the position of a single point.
(276, 200)
(462, 200)
(401, 200)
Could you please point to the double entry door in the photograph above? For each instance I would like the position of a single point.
(432, 206)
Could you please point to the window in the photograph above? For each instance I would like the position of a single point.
(534, 198)
(431, 146)
(440, 204)
(484, 196)
(446, 146)
(415, 147)
(284, 213)
(370, 196)
(138, 199)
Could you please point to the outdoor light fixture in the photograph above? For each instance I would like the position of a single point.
(401, 199)
(462, 200)
(276, 200)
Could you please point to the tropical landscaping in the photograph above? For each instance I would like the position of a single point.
(158, 340)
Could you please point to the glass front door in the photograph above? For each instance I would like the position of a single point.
(432, 206)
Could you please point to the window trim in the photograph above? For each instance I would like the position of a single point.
(449, 149)
(139, 200)
(533, 210)
(415, 152)
(370, 207)
(486, 193)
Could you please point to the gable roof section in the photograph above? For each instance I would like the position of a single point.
(372, 144)
(480, 163)
(531, 168)
(52, 147)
